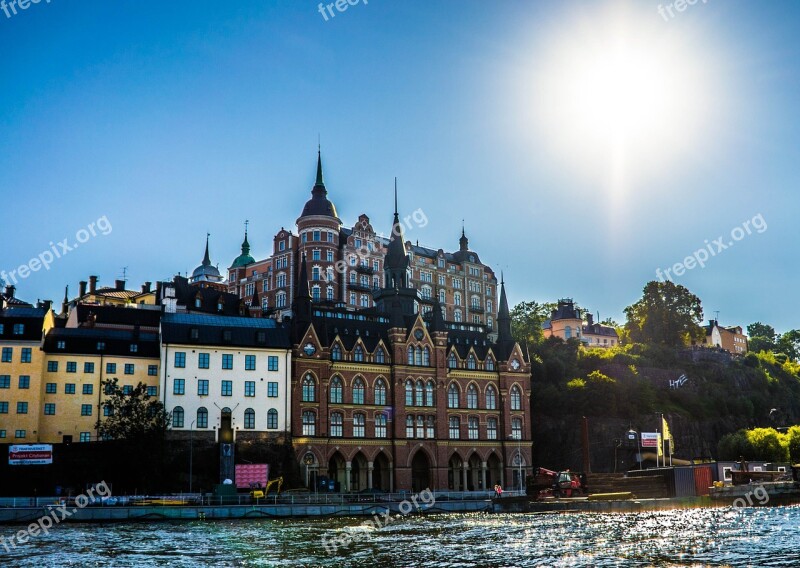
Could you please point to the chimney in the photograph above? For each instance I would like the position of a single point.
(146, 287)
(46, 304)
(81, 288)
(10, 290)
(589, 319)
(158, 292)
(119, 285)
(92, 284)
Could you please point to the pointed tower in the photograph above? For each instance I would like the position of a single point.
(463, 242)
(244, 259)
(301, 306)
(505, 341)
(319, 205)
(206, 273)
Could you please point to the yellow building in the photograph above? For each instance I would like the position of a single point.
(115, 295)
(20, 373)
(76, 362)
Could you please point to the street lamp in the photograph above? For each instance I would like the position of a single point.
(191, 450)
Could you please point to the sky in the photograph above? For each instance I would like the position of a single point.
(585, 144)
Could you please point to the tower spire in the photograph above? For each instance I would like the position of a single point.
(206, 259)
(320, 182)
(503, 315)
(463, 242)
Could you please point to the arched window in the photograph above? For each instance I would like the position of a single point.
(409, 393)
(567, 332)
(380, 392)
(409, 426)
(457, 316)
(202, 417)
(177, 417)
(452, 362)
(309, 423)
(457, 298)
(420, 426)
(337, 420)
(359, 422)
(429, 398)
(336, 390)
(358, 391)
(516, 428)
(516, 398)
(249, 419)
(309, 389)
(472, 428)
(380, 355)
(431, 427)
(410, 355)
(491, 428)
(472, 397)
(489, 365)
(491, 398)
(380, 425)
(336, 353)
(426, 357)
(452, 396)
(358, 354)
(455, 428)
(272, 419)
(420, 391)
(441, 296)
(418, 356)
(471, 361)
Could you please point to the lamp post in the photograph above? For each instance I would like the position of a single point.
(191, 451)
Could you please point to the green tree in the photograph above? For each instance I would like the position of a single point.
(667, 314)
(793, 443)
(789, 343)
(133, 415)
(768, 444)
(762, 337)
(526, 321)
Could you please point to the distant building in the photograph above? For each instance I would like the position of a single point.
(116, 295)
(566, 322)
(732, 339)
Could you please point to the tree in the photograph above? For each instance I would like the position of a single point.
(132, 415)
(762, 337)
(668, 314)
(789, 343)
(526, 321)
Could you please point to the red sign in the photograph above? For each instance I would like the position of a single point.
(254, 473)
(30, 454)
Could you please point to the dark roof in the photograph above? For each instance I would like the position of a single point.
(185, 295)
(31, 318)
(118, 315)
(87, 341)
(204, 329)
(599, 329)
(565, 310)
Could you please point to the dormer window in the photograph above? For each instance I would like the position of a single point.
(134, 348)
(101, 345)
(226, 335)
(198, 303)
(194, 333)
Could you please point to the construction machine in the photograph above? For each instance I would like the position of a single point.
(548, 483)
(258, 493)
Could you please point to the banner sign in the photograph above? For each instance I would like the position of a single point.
(255, 473)
(650, 439)
(30, 454)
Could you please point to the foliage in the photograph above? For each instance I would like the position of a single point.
(133, 415)
(526, 322)
(762, 444)
(667, 314)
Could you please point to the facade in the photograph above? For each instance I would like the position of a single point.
(732, 339)
(394, 397)
(346, 265)
(566, 322)
(225, 373)
(116, 295)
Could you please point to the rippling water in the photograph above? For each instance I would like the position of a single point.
(698, 537)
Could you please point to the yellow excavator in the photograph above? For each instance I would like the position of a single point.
(261, 493)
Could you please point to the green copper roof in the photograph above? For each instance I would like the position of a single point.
(243, 259)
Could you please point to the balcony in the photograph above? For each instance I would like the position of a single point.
(359, 287)
(365, 269)
(476, 309)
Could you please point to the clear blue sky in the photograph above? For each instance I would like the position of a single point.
(176, 118)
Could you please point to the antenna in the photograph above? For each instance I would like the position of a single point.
(124, 273)
(716, 315)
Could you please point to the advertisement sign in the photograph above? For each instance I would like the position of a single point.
(30, 454)
(650, 439)
(255, 473)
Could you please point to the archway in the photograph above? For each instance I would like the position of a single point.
(358, 473)
(455, 480)
(474, 474)
(381, 473)
(494, 473)
(420, 472)
(337, 471)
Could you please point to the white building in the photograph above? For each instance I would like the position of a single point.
(221, 372)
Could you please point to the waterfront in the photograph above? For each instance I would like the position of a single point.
(698, 537)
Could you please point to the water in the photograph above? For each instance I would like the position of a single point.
(698, 537)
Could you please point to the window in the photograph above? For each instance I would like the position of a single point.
(410, 355)
(52, 366)
(409, 393)
(4, 407)
(337, 421)
(108, 410)
(309, 423)
(472, 397)
(111, 368)
(88, 389)
(152, 370)
(272, 363)
(24, 381)
(455, 428)
(359, 422)
(420, 426)
(491, 429)
(315, 294)
(51, 388)
(409, 426)
(380, 425)
(129, 368)
(457, 316)
(516, 428)
(418, 356)
(202, 417)
(69, 388)
(134, 348)
(25, 356)
(452, 362)
(309, 389)
(452, 396)
(101, 345)
(72, 367)
(380, 355)
(472, 428)
(61, 345)
(489, 364)
(227, 388)
(329, 291)
(419, 393)
(429, 398)
(316, 236)
(152, 391)
(50, 409)
(358, 391)
(567, 332)
(180, 359)
(86, 409)
(249, 362)
(315, 255)
(336, 390)
(457, 298)
(5, 381)
(358, 354)
(471, 361)
(85, 437)
(2, 432)
(272, 390)
(272, 419)
(516, 398)
(380, 392)
(249, 419)
(127, 389)
(426, 357)
(202, 387)
(19, 433)
(8, 354)
(19, 328)
(227, 361)
(336, 353)
(491, 398)
(249, 388)
(177, 417)
(179, 386)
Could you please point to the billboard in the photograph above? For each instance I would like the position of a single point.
(30, 454)
(255, 473)
(650, 439)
